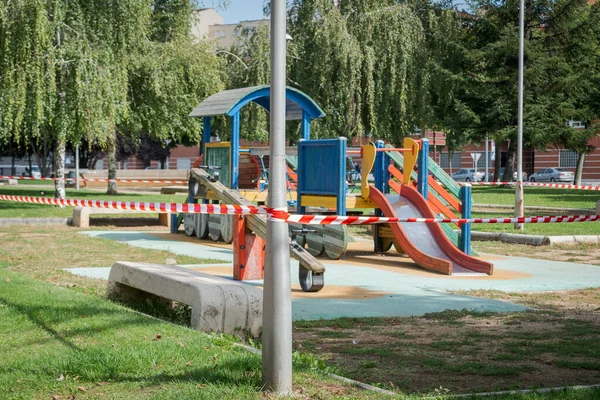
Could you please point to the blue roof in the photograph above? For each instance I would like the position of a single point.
(230, 102)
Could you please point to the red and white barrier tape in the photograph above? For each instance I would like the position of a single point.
(352, 220)
(27, 178)
(553, 185)
(284, 216)
(141, 206)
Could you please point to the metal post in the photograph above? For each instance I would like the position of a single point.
(77, 167)
(486, 158)
(277, 299)
(423, 169)
(465, 229)
(519, 204)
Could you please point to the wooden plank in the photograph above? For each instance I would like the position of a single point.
(227, 228)
(257, 223)
(335, 240)
(201, 226)
(314, 241)
(214, 227)
(453, 201)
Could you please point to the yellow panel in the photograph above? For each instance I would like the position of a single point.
(329, 202)
(410, 158)
(218, 144)
(368, 153)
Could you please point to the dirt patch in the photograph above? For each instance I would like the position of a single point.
(462, 352)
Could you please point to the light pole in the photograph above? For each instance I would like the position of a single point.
(277, 296)
(519, 206)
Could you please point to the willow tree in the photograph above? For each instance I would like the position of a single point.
(561, 51)
(63, 70)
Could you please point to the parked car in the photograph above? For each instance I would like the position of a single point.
(553, 175)
(514, 177)
(34, 173)
(468, 175)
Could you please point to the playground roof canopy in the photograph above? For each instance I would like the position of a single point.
(230, 102)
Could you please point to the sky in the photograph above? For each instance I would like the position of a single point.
(238, 10)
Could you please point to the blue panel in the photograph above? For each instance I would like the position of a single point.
(465, 197)
(423, 168)
(378, 167)
(205, 135)
(305, 126)
(322, 169)
(235, 150)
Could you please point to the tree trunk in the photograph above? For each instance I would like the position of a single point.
(579, 169)
(112, 165)
(509, 168)
(59, 169)
(497, 162)
(12, 166)
(450, 154)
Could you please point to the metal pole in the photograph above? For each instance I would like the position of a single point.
(77, 167)
(486, 157)
(519, 206)
(277, 299)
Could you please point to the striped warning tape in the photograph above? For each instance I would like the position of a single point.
(27, 178)
(282, 215)
(353, 220)
(553, 185)
(141, 206)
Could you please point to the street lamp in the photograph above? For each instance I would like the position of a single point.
(519, 206)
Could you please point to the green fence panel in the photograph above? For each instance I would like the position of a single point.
(220, 157)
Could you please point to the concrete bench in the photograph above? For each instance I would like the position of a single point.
(174, 189)
(218, 304)
(81, 215)
(9, 182)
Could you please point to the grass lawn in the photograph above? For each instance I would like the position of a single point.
(537, 196)
(9, 209)
(60, 337)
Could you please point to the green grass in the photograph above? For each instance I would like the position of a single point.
(56, 342)
(537, 196)
(9, 209)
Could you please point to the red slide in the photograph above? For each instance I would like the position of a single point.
(425, 243)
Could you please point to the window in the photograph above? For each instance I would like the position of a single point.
(481, 161)
(576, 124)
(445, 161)
(567, 159)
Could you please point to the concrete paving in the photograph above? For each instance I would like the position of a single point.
(372, 285)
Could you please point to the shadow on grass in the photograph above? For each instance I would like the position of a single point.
(44, 316)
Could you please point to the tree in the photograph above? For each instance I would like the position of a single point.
(63, 70)
(559, 56)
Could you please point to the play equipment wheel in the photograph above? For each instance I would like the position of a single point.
(314, 241)
(188, 224)
(309, 281)
(398, 248)
(214, 227)
(335, 240)
(227, 228)
(201, 226)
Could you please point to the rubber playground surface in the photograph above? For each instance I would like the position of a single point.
(365, 284)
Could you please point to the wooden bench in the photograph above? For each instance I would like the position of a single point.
(81, 215)
(218, 304)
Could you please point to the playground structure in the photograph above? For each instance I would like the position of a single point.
(325, 190)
